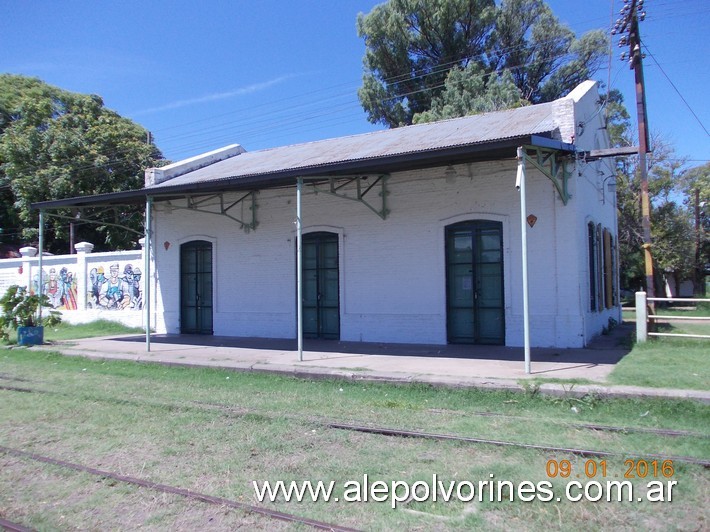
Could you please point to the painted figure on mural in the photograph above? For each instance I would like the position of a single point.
(51, 288)
(60, 289)
(67, 289)
(133, 287)
(114, 293)
(97, 279)
(137, 293)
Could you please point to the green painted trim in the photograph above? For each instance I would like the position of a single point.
(247, 221)
(546, 160)
(362, 187)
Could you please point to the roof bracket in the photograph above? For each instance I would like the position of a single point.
(358, 188)
(242, 210)
(553, 166)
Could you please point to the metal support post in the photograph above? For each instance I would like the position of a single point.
(520, 185)
(40, 281)
(147, 274)
(299, 268)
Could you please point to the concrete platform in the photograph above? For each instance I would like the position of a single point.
(492, 367)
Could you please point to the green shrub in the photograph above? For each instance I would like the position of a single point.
(21, 309)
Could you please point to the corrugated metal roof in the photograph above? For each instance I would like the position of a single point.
(458, 132)
(478, 137)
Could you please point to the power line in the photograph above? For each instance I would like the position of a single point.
(676, 89)
(262, 126)
(267, 125)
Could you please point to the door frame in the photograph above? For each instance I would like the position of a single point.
(186, 242)
(502, 221)
(339, 233)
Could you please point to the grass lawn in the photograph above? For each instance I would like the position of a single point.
(217, 431)
(67, 331)
(666, 362)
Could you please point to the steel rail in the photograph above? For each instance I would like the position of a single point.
(384, 431)
(589, 426)
(18, 389)
(13, 527)
(240, 411)
(189, 494)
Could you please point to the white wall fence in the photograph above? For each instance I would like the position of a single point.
(86, 286)
(643, 317)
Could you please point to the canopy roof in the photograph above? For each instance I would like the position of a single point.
(488, 136)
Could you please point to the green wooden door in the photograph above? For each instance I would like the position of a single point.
(321, 286)
(475, 311)
(196, 287)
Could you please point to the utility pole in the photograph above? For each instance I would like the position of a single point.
(629, 25)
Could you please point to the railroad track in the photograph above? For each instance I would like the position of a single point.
(235, 411)
(588, 426)
(385, 431)
(404, 433)
(173, 490)
(13, 527)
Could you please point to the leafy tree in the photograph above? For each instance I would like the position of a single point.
(672, 233)
(671, 224)
(412, 45)
(57, 144)
(472, 91)
(542, 54)
(697, 177)
(695, 184)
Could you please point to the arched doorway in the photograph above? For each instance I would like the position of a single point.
(196, 287)
(475, 307)
(321, 286)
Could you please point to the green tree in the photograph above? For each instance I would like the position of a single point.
(671, 223)
(472, 91)
(412, 45)
(12, 91)
(695, 185)
(697, 178)
(672, 233)
(57, 144)
(543, 55)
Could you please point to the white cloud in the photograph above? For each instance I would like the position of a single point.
(249, 89)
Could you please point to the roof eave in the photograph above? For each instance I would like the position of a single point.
(494, 150)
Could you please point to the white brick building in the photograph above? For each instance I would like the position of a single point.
(431, 255)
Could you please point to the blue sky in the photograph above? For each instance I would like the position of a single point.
(201, 75)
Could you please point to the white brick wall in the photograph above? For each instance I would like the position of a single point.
(392, 274)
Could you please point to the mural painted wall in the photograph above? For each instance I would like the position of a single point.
(60, 288)
(84, 286)
(117, 291)
(106, 281)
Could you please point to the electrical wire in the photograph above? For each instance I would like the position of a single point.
(268, 126)
(676, 89)
(261, 126)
